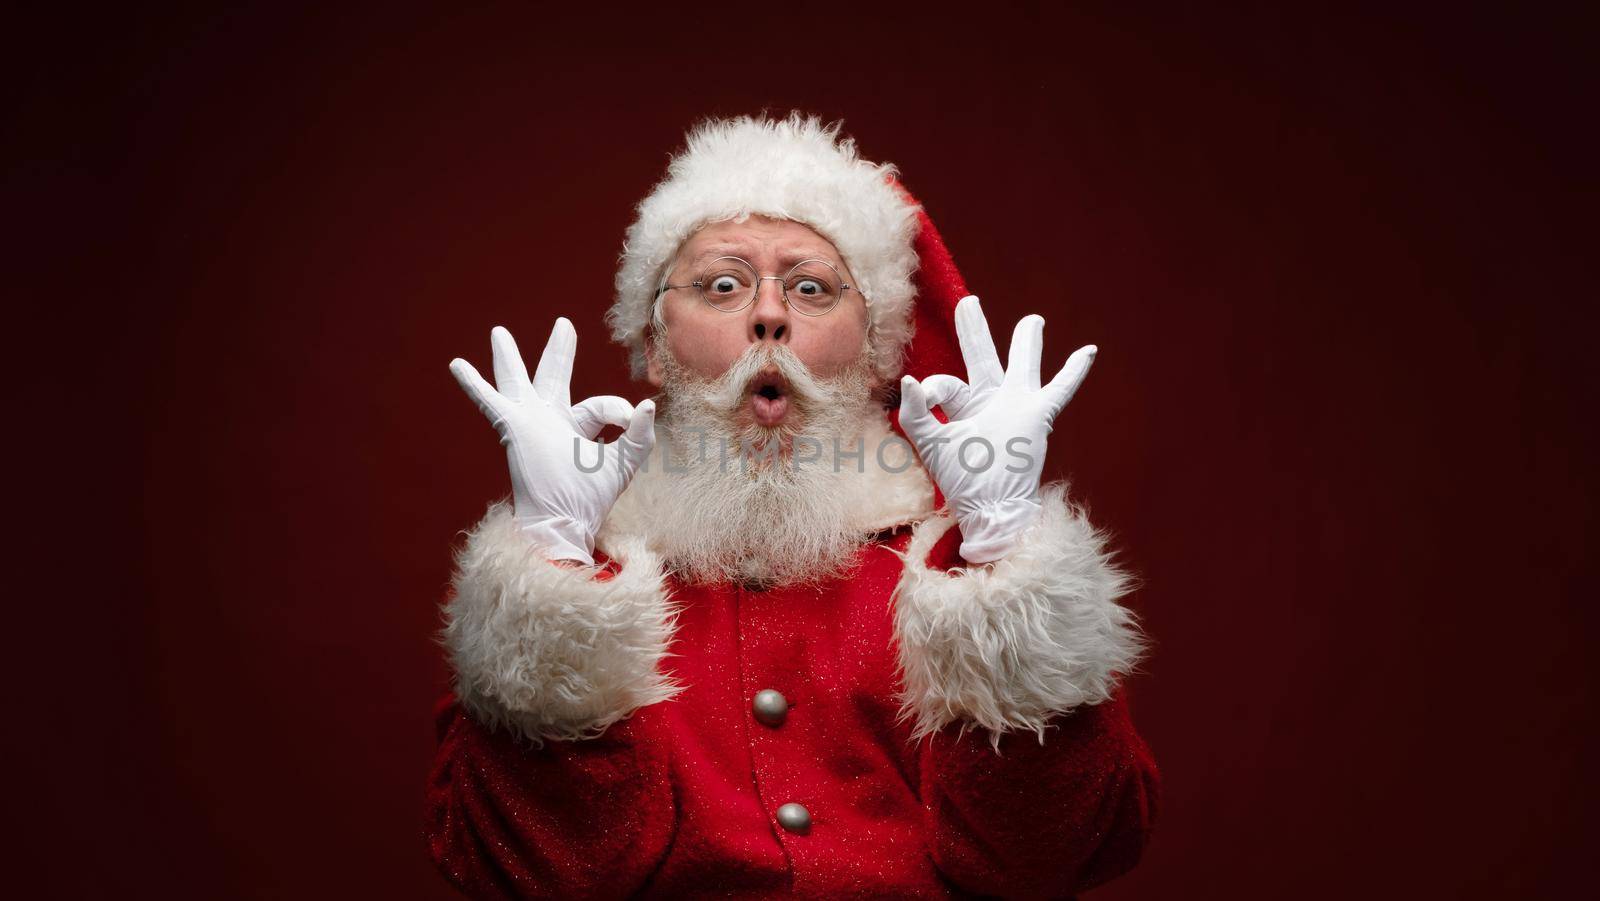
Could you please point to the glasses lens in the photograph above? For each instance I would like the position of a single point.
(813, 287)
(728, 283)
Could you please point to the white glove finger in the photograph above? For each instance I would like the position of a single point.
(948, 392)
(1027, 346)
(1065, 384)
(481, 392)
(640, 436)
(510, 375)
(596, 413)
(553, 379)
(915, 419)
(977, 345)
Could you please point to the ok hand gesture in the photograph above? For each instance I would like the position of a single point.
(988, 459)
(561, 496)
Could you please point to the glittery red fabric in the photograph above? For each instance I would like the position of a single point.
(679, 800)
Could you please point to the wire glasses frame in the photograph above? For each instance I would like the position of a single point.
(731, 298)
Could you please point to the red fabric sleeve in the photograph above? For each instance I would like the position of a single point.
(569, 819)
(1040, 821)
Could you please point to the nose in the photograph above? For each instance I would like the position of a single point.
(769, 315)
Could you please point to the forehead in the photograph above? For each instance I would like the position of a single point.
(758, 236)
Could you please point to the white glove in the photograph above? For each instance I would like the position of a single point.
(550, 443)
(988, 459)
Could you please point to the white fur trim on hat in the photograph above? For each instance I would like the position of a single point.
(797, 169)
(548, 651)
(1006, 646)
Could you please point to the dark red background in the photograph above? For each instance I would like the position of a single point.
(1341, 421)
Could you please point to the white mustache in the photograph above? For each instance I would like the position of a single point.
(728, 391)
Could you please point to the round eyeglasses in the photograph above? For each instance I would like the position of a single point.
(811, 288)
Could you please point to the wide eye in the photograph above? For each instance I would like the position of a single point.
(812, 287)
(725, 280)
(727, 283)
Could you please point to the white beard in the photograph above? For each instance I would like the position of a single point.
(773, 517)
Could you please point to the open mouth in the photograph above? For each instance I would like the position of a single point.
(769, 397)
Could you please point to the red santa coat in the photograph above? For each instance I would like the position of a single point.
(951, 730)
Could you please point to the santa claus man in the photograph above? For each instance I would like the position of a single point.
(810, 626)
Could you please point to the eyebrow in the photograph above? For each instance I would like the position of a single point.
(786, 257)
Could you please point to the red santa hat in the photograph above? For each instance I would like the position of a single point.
(800, 169)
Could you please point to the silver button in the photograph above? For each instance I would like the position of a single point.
(770, 707)
(794, 818)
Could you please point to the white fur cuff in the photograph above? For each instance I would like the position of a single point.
(1006, 646)
(549, 651)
